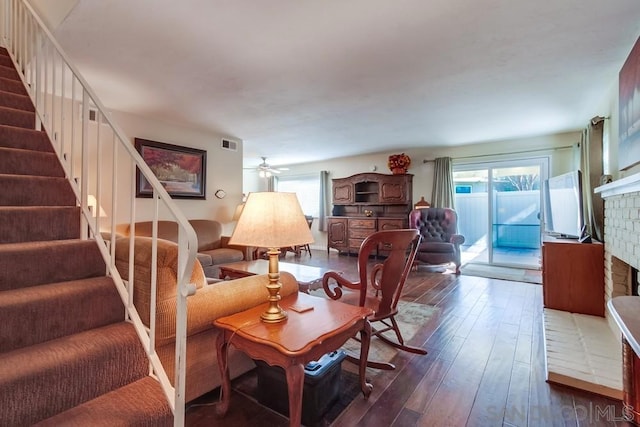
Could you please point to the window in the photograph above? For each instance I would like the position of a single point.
(306, 187)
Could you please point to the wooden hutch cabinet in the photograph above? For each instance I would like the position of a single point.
(365, 203)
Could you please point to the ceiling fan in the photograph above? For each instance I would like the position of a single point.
(265, 170)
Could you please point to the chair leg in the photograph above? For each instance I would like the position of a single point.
(385, 366)
(400, 344)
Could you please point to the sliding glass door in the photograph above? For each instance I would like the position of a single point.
(499, 209)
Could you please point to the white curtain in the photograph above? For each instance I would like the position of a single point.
(442, 194)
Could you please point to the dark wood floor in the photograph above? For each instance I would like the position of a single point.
(485, 365)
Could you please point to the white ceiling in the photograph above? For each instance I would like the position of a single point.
(310, 80)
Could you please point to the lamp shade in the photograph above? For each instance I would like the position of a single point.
(271, 220)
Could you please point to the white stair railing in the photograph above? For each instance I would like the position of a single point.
(100, 161)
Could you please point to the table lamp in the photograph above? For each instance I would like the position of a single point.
(272, 220)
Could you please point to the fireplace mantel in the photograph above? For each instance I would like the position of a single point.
(625, 185)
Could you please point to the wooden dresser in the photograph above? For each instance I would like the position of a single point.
(365, 203)
(573, 276)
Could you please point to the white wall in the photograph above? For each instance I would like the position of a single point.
(554, 146)
(53, 13)
(224, 170)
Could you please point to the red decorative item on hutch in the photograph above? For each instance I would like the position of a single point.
(399, 163)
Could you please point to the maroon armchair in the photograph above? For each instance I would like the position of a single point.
(440, 241)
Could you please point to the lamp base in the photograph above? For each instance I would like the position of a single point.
(275, 317)
(274, 313)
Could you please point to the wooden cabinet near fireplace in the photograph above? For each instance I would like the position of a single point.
(365, 203)
(573, 276)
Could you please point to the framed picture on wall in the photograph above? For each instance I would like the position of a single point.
(629, 110)
(180, 170)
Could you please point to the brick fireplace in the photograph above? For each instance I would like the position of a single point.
(621, 264)
(586, 351)
(621, 236)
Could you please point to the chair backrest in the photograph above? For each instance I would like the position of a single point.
(309, 219)
(435, 224)
(389, 276)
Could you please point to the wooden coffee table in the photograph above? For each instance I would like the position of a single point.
(308, 277)
(305, 336)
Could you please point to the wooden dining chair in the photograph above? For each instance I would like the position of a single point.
(380, 284)
(297, 250)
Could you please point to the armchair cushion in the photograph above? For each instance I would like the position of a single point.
(440, 241)
(440, 247)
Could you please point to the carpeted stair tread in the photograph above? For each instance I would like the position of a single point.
(5, 60)
(28, 190)
(17, 101)
(37, 314)
(9, 72)
(14, 86)
(26, 139)
(121, 407)
(66, 355)
(36, 263)
(17, 161)
(18, 118)
(42, 380)
(39, 223)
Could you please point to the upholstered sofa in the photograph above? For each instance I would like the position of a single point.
(213, 247)
(440, 242)
(209, 302)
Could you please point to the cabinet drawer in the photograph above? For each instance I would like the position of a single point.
(355, 243)
(359, 233)
(390, 224)
(362, 223)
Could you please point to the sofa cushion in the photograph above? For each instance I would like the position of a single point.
(224, 255)
(439, 247)
(205, 259)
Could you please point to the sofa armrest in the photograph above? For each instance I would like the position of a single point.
(457, 239)
(206, 305)
(231, 296)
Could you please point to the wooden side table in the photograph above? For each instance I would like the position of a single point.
(303, 337)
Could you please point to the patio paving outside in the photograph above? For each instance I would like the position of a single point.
(506, 256)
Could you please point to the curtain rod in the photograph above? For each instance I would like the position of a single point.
(564, 147)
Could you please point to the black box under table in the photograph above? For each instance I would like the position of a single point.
(321, 386)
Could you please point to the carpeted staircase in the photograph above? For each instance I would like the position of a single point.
(67, 357)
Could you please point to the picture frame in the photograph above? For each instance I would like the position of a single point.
(629, 110)
(181, 170)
